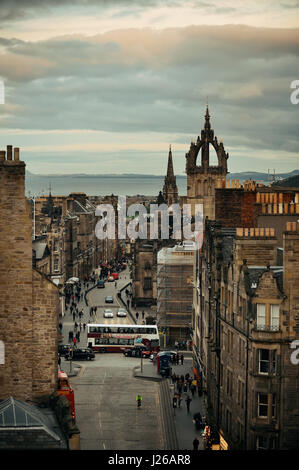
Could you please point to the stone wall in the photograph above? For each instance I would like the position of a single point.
(27, 312)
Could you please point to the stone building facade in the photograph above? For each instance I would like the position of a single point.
(245, 319)
(29, 301)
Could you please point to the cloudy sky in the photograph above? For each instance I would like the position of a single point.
(104, 86)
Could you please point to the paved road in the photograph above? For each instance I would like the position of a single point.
(105, 399)
(105, 389)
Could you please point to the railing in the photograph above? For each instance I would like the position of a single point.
(266, 328)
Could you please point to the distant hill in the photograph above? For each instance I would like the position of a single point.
(292, 182)
(241, 176)
(261, 177)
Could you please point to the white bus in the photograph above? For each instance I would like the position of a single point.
(115, 337)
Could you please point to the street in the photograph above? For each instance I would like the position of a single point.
(105, 388)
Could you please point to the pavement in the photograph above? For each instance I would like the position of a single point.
(182, 420)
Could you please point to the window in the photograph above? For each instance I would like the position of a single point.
(56, 264)
(264, 443)
(274, 318)
(262, 405)
(261, 443)
(56, 245)
(261, 316)
(264, 361)
(147, 284)
(273, 410)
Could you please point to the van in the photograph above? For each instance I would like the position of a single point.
(64, 388)
(115, 276)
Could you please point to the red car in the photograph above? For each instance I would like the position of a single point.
(137, 351)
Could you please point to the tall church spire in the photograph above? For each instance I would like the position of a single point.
(170, 172)
(170, 190)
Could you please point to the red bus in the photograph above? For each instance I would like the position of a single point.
(64, 388)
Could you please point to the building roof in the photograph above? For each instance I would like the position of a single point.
(40, 249)
(17, 414)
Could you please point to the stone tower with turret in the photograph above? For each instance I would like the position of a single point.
(203, 179)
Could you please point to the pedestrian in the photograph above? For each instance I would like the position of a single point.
(188, 401)
(185, 387)
(74, 342)
(179, 400)
(60, 326)
(139, 400)
(195, 443)
(173, 378)
(137, 315)
(59, 362)
(182, 359)
(84, 326)
(192, 389)
(177, 359)
(174, 402)
(143, 313)
(180, 387)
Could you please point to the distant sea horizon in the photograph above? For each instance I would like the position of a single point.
(120, 184)
(99, 185)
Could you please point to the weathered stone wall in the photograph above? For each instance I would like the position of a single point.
(15, 282)
(28, 314)
(45, 326)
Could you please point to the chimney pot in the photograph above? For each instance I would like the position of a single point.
(16, 154)
(9, 152)
(2, 155)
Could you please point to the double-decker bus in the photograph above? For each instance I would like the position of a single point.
(115, 337)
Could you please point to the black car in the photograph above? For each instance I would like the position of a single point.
(81, 353)
(137, 351)
(64, 349)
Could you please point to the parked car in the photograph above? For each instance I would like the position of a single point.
(121, 312)
(81, 353)
(63, 349)
(100, 284)
(109, 299)
(108, 313)
(137, 351)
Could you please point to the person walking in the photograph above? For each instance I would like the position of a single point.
(137, 315)
(59, 362)
(195, 443)
(177, 359)
(188, 401)
(143, 313)
(182, 359)
(138, 400)
(179, 400)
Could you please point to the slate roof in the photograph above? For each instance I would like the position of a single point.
(18, 414)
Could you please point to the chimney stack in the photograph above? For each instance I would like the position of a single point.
(9, 152)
